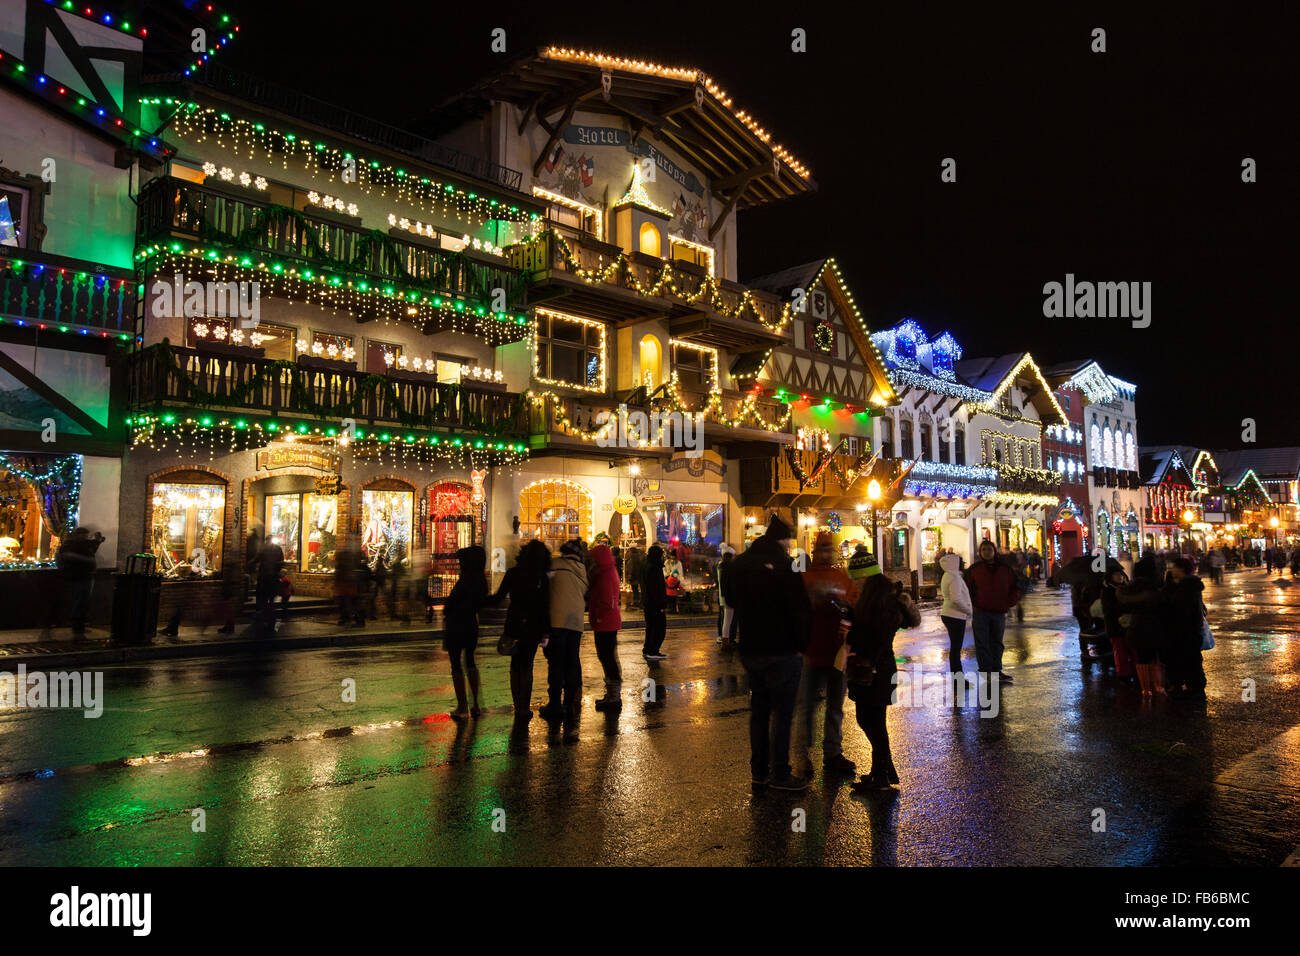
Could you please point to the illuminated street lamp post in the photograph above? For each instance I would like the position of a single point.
(1273, 523)
(1188, 517)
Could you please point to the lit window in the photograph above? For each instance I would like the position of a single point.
(569, 351)
(186, 529)
(649, 242)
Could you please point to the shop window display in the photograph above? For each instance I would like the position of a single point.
(695, 534)
(386, 519)
(451, 527)
(305, 526)
(187, 529)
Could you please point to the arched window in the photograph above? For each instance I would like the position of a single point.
(651, 362)
(926, 439)
(649, 241)
(1130, 451)
(905, 438)
(1096, 454)
(554, 512)
(959, 447)
(945, 453)
(1107, 447)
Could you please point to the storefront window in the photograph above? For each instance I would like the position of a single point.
(451, 527)
(554, 512)
(38, 500)
(187, 529)
(386, 519)
(305, 527)
(695, 534)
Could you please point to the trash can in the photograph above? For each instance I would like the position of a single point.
(136, 594)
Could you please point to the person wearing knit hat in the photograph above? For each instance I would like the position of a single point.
(860, 563)
(773, 617)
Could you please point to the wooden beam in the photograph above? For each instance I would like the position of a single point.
(740, 179)
(554, 135)
(726, 211)
(523, 121)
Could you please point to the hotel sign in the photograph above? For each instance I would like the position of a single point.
(296, 457)
(613, 136)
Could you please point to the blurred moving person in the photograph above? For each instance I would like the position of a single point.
(603, 612)
(460, 626)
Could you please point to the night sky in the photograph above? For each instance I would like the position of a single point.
(1122, 166)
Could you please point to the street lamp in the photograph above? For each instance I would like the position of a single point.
(873, 495)
(1273, 523)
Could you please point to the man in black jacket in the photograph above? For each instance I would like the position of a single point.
(655, 596)
(773, 618)
(1184, 614)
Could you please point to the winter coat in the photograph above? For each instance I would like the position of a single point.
(1142, 602)
(953, 590)
(633, 563)
(773, 612)
(994, 588)
(603, 597)
(1184, 610)
(1111, 610)
(568, 592)
(528, 617)
(654, 595)
(672, 576)
(872, 641)
(829, 590)
(468, 595)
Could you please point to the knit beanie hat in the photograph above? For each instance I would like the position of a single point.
(863, 565)
(777, 529)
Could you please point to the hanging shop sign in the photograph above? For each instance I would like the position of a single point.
(476, 477)
(955, 513)
(296, 457)
(704, 463)
(900, 518)
(641, 486)
(651, 499)
(626, 504)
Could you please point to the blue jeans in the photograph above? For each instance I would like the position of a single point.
(773, 690)
(988, 627)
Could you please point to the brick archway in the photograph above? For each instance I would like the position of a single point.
(305, 583)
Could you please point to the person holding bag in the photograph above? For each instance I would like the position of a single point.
(882, 609)
(528, 622)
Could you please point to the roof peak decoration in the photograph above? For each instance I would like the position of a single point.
(906, 346)
(638, 197)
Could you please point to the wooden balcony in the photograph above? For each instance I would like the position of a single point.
(175, 209)
(581, 274)
(161, 376)
(1032, 481)
(39, 289)
(775, 482)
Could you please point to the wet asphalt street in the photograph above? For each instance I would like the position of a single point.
(287, 772)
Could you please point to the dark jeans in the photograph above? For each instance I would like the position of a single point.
(773, 691)
(871, 718)
(656, 629)
(814, 678)
(78, 591)
(521, 675)
(956, 636)
(564, 669)
(635, 600)
(607, 652)
(988, 627)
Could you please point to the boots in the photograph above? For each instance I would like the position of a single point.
(472, 674)
(1145, 678)
(613, 699)
(519, 697)
(458, 683)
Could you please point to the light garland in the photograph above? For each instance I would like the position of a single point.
(709, 291)
(1021, 499)
(327, 350)
(685, 75)
(332, 202)
(235, 334)
(390, 302)
(638, 197)
(575, 205)
(186, 433)
(697, 246)
(590, 323)
(477, 373)
(248, 138)
(561, 421)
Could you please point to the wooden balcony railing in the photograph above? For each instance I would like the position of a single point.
(1033, 481)
(38, 288)
(172, 208)
(162, 375)
(582, 256)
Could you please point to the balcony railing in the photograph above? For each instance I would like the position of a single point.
(1033, 481)
(255, 89)
(171, 208)
(765, 481)
(1116, 478)
(580, 256)
(161, 375)
(39, 288)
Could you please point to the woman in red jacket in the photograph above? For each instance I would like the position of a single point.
(603, 613)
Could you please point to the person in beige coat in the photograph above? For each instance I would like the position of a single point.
(956, 610)
(568, 576)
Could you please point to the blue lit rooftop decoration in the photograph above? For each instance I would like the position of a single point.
(937, 488)
(944, 354)
(1128, 388)
(968, 473)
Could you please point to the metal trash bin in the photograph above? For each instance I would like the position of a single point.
(136, 594)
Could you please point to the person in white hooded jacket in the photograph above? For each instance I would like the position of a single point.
(956, 610)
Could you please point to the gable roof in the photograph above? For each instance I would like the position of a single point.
(1269, 464)
(1156, 462)
(826, 271)
(995, 375)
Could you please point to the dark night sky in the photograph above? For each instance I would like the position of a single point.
(1116, 166)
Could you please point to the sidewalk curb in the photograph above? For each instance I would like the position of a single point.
(150, 652)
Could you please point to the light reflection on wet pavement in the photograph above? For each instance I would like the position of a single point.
(288, 772)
